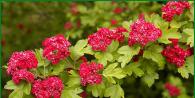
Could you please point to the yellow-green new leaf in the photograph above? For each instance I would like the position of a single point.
(113, 71)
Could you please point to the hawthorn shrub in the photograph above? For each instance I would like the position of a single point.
(150, 54)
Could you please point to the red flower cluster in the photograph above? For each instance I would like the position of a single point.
(143, 32)
(173, 90)
(68, 25)
(118, 10)
(50, 87)
(83, 94)
(74, 9)
(56, 48)
(113, 22)
(18, 65)
(174, 8)
(23, 74)
(176, 55)
(103, 37)
(89, 73)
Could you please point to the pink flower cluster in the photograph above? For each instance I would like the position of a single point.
(176, 55)
(143, 32)
(23, 74)
(173, 90)
(56, 48)
(18, 65)
(174, 8)
(103, 38)
(118, 10)
(89, 73)
(48, 88)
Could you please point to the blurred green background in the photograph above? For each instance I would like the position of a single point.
(26, 25)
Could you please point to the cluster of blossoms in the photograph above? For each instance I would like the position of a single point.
(173, 90)
(118, 10)
(174, 8)
(103, 38)
(56, 48)
(48, 88)
(176, 55)
(89, 73)
(143, 32)
(68, 25)
(18, 65)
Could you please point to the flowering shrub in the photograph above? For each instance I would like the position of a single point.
(109, 59)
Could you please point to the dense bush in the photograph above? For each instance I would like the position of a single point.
(99, 49)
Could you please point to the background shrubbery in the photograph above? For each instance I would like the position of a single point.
(25, 25)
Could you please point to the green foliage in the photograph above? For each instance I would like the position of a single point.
(112, 71)
(154, 53)
(96, 90)
(188, 67)
(115, 91)
(71, 92)
(120, 71)
(80, 49)
(127, 54)
(190, 36)
(169, 33)
(74, 79)
(133, 68)
(19, 90)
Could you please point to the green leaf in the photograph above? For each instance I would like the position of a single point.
(183, 72)
(115, 91)
(113, 71)
(126, 24)
(103, 57)
(133, 68)
(17, 93)
(27, 88)
(190, 38)
(154, 53)
(82, 9)
(80, 49)
(167, 34)
(74, 79)
(71, 92)
(10, 85)
(113, 46)
(150, 78)
(80, 44)
(188, 67)
(127, 54)
(41, 60)
(175, 24)
(57, 69)
(87, 50)
(76, 50)
(97, 90)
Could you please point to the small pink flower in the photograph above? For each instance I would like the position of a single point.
(73, 8)
(104, 37)
(68, 25)
(21, 60)
(118, 10)
(117, 34)
(22, 74)
(113, 22)
(173, 90)
(143, 32)
(173, 8)
(176, 55)
(56, 48)
(89, 73)
(100, 40)
(49, 88)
